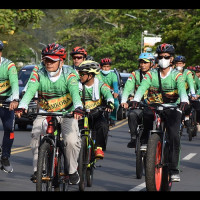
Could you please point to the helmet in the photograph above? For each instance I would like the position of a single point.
(89, 66)
(105, 61)
(197, 68)
(165, 48)
(180, 59)
(1, 45)
(78, 50)
(191, 68)
(148, 57)
(54, 52)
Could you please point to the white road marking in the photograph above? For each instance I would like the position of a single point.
(139, 187)
(189, 156)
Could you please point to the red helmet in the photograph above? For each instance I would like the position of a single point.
(197, 68)
(54, 52)
(78, 50)
(191, 68)
(105, 61)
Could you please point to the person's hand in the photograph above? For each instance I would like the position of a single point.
(115, 95)
(20, 111)
(78, 113)
(13, 105)
(109, 107)
(184, 106)
(124, 105)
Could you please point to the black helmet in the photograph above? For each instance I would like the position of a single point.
(1, 45)
(165, 48)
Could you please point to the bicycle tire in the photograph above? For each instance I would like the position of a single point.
(139, 162)
(189, 130)
(153, 174)
(82, 163)
(43, 182)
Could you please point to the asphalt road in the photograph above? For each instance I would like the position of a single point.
(116, 172)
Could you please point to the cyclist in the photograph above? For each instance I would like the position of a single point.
(9, 92)
(58, 91)
(79, 54)
(110, 78)
(165, 85)
(94, 93)
(180, 62)
(133, 82)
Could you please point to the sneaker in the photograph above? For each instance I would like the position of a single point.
(132, 143)
(99, 153)
(74, 178)
(175, 177)
(6, 166)
(33, 177)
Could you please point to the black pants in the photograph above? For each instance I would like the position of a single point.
(99, 124)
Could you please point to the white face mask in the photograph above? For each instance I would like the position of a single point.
(52, 74)
(179, 68)
(164, 63)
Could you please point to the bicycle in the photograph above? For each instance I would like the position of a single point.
(87, 160)
(192, 125)
(51, 167)
(157, 174)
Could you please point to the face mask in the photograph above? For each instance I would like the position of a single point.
(179, 68)
(105, 72)
(52, 74)
(164, 63)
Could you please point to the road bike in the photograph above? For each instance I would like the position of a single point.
(87, 160)
(157, 173)
(52, 174)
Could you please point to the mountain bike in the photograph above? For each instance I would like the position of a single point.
(52, 174)
(87, 160)
(157, 174)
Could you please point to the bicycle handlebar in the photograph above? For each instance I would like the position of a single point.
(64, 115)
(5, 105)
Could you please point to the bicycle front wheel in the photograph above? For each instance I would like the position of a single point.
(154, 170)
(44, 167)
(83, 163)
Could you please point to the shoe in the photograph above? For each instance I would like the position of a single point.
(132, 143)
(99, 153)
(74, 178)
(175, 177)
(33, 177)
(112, 123)
(6, 166)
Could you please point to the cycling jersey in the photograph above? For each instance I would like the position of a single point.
(9, 88)
(189, 81)
(53, 95)
(111, 81)
(132, 85)
(94, 94)
(173, 86)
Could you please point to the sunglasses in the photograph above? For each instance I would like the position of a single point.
(165, 57)
(81, 75)
(77, 57)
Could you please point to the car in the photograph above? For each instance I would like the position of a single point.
(23, 77)
(122, 78)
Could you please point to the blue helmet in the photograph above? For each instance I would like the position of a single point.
(148, 57)
(180, 59)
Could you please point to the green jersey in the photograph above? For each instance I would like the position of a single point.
(173, 87)
(110, 80)
(56, 95)
(9, 88)
(189, 81)
(95, 93)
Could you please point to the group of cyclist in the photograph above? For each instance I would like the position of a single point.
(60, 88)
(88, 84)
(169, 82)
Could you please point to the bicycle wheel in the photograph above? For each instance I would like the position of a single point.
(153, 175)
(82, 163)
(190, 130)
(44, 167)
(61, 178)
(139, 162)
